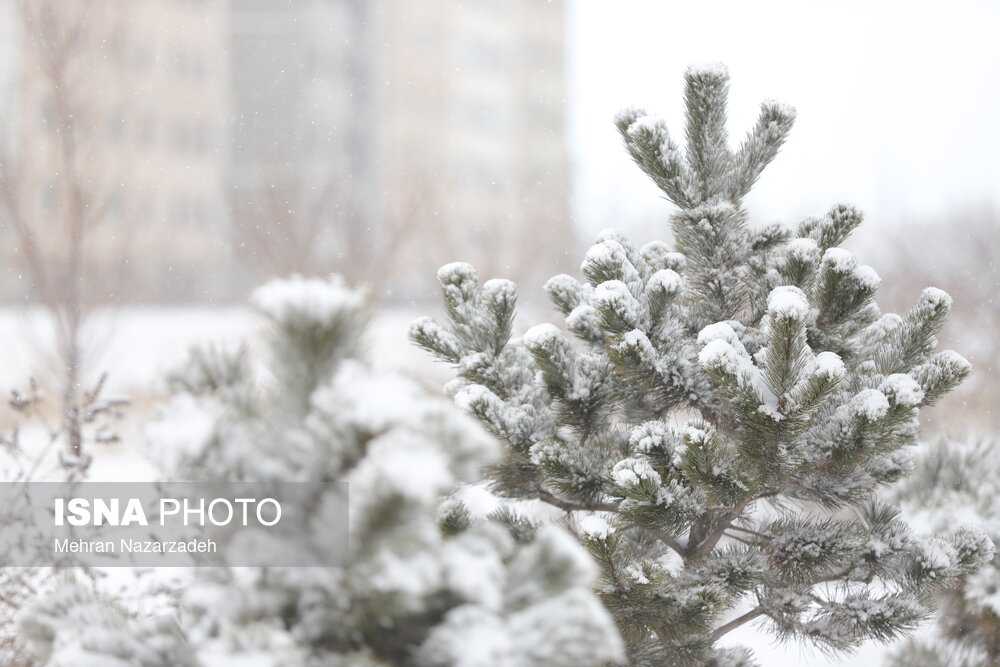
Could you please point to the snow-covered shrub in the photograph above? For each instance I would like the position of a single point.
(26, 456)
(425, 583)
(958, 481)
(726, 412)
(72, 625)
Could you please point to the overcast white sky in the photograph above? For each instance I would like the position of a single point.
(898, 102)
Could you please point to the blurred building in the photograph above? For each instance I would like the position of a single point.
(114, 117)
(300, 130)
(215, 142)
(385, 138)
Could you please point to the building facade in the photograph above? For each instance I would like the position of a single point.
(422, 133)
(114, 124)
(208, 144)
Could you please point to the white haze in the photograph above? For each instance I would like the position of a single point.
(898, 103)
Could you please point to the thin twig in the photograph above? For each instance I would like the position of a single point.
(570, 506)
(735, 623)
(750, 532)
(740, 539)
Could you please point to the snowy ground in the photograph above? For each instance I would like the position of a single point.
(136, 345)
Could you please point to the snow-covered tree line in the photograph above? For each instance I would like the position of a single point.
(722, 412)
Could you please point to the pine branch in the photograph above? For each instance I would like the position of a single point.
(721, 523)
(570, 506)
(735, 623)
(666, 538)
(740, 539)
(761, 536)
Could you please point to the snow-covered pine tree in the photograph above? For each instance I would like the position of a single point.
(425, 584)
(727, 410)
(957, 480)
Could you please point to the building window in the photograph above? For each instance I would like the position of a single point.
(199, 70)
(115, 43)
(48, 196)
(145, 131)
(188, 65)
(47, 112)
(145, 207)
(114, 125)
(179, 211)
(200, 138)
(187, 209)
(180, 137)
(476, 174)
(196, 212)
(113, 206)
(480, 54)
(483, 115)
(179, 63)
(142, 56)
